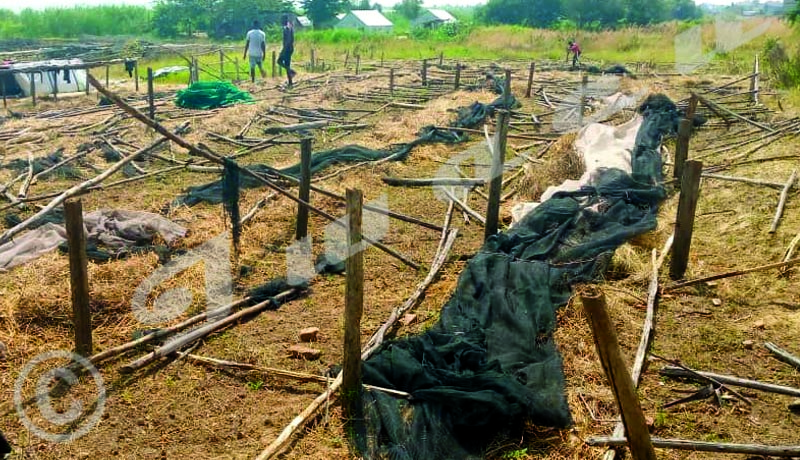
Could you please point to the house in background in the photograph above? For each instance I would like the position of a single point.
(304, 22)
(432, 18)
(365, 20)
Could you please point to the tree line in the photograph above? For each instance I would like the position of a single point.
(590, 14)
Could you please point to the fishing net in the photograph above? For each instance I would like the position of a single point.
(471, 116)
(20, 165)
(206, 95)
(491, 363)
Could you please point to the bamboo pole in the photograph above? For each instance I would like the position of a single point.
(33, 88)
(150, 95)
(531, 73)
(702, 446)
(783, 355)
(79, 276)
(436, 181)
(719, 276)
(498, 159)
(135, 77)
(728, 380)
(782, 201)
(457, 83)
(682, 147)
(605, 339)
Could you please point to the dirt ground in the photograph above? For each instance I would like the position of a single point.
(178, 409)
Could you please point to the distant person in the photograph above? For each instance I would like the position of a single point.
(256, 45)
(285, 58)
(575, 49)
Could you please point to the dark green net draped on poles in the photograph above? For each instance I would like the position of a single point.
(205, 95)
(491, 362)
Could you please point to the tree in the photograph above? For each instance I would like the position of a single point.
(685, 10)
(794, 14)
(363, 5)
(533, 13)
(607, 13)
(176, 17)
(410, 9)
(323, 12)
(644, 12)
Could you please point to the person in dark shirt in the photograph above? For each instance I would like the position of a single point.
(285, 58)
(575, 49)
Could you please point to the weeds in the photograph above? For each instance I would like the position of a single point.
(784, 69)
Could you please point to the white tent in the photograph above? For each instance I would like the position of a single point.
(65, 80)
(368, 20)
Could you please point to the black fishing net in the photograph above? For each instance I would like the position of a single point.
(20, 165)
(491, 363)
(471, 116)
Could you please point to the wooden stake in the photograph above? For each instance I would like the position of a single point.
(507, 90)
(135, 76)
(692, 109)
(150, 96)
(221, 65)
(33, 88)
(78, 276)
(424, 72)
(458, 76)
(754, 83)
(354, 304)
(441, 58)
(584, 84)
(782, 202)
(496, 184)
(358, 63)
(605, 339)
(236, 63)
(391, 81)
(87, 82)
(3, 90)
(108, 70)
(305, 188)
(55, 86)
(684, 225)
(682, 146)
(274, 64)
(313, 59)
(531, 72)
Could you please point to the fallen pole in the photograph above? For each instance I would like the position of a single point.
(784, 264)
(783, 355)
(673, 371)
(702, 446)
(441, 181)
(782, 202)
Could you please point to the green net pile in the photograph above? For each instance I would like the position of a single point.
(211, 95)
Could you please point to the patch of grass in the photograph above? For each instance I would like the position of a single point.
(254, 385)
(518, 454)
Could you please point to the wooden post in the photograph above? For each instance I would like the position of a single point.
(108, 70)
(682, 146)
(605, 339)
(55, 85)
(196, 70)
(424, 72)
(274, 64)
(358, 63)
(3, 90)
(684, 224)
(391, 81)
(221, 65)
(87, 82)
(305, 188)
(584, 84)
(530, 80)
(381, 59)
(692, 109)
(150, 99)
(236, 63)
(354, 304)
(458, 76)
(135, 76)
(33, 88)
(313, 59)
(346, 58)
(507, 90)
(496, 184)
(78, 276)
(754, 84)
(441, 58)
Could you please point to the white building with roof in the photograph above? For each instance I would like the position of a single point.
(433, 18)
(366, 20)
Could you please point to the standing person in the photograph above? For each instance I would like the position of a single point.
(285, 58)
(256, 45)
(575, 49)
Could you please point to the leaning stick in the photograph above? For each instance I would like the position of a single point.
(715, 107)
(644, 344)
(23, 189)
(702, 446)
(180, 342)
(676, 286)
(76, 190)
(298, 376)
(745, 180)
(463, 206)
(280, 443)
(782, 201)
(216, 159)
(783, 355)
(729, 381)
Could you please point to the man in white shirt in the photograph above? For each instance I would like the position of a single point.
(257, 47)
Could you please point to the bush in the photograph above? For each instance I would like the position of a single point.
(782, 68)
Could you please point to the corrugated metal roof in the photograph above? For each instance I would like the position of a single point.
(304, 21)
(443, 15)
(372, 18)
